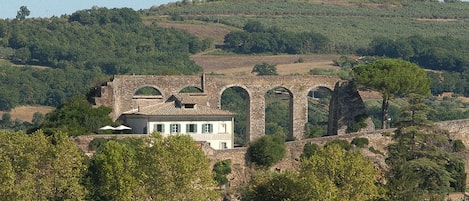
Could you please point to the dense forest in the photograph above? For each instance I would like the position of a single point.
(84, 50)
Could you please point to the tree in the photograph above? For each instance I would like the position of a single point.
(113, 174)
(393, 78)
(220, 170)
(175, 168)
(330, 174)
(40, 167)
(420, 166)
(22, 13)
(265, 69)
(77, 117)
(267, 150)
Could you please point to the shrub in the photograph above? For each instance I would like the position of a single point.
(360, 142)
(300, 60)
(342, 143)
(267, 150)
(358, 124)
(458, 146)
(373, 150)
(96, 143)
(309, 150)
(220, 170)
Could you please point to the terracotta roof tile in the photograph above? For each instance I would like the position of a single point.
(173, 108)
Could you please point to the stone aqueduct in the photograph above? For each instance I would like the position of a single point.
(119, 94)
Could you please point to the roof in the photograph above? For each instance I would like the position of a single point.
(174, 106)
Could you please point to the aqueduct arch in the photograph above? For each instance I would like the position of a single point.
(118, 94)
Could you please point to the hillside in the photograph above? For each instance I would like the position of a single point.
(350, 25)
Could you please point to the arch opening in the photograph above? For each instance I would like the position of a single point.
(279, 113)
(191, 89)
(146, 96)
(318, 112)
(147, 91)
(236, 99)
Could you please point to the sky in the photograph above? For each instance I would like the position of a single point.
(49, 8)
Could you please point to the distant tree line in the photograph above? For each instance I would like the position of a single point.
(256, 38)
(445, 54)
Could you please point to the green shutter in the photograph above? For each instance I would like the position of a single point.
(188, 128)
(179, 128)
(211, 128)
(204, 128)
(162, 128)
(195, 128)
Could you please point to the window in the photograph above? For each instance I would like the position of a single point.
(207, 128)
(189, 106)
(222, 128)
(175, 128)
(191, 128)
(158, 128)
(223, 145)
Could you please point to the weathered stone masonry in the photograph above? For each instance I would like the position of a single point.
(119, 95)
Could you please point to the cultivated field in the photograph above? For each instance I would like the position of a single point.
(25, 113)
(216, 61)
(242, 65)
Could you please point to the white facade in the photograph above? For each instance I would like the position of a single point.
(218, 132)
(175, 116)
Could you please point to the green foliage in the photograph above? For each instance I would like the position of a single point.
(149, 91)
(77, 117)
(38, 118)
(112, 173)
(220, 170)
(347, 26)
(39, 167)
(189, 178)
(420, 165)
(235, 99)
(318, 114)
(360, 142)
(343, 74)
(393, 78)
(267, 150)
(140, 170)
(344, 144)
(274, 187)
(96, 143)
(358, 124)
(258, 39)
(345, 62)
(22, 13)
(375, 151)
(309, 150)
(458, 146)
(265, 69)
(83, 50)
(331, 173)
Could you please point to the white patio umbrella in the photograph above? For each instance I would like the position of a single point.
(107, 128)
(122, 127)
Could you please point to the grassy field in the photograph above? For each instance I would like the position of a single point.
(25, 113)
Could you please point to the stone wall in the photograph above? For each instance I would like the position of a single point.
(119, 94)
